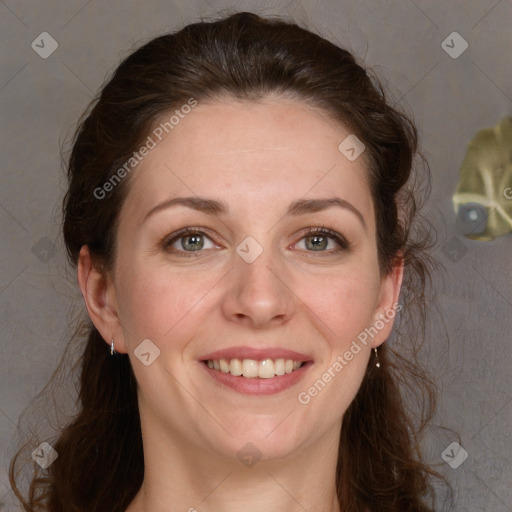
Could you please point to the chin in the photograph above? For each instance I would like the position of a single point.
(268, 438)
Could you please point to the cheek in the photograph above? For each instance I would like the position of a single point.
(344, 304)
(341, 307)
(154, 301)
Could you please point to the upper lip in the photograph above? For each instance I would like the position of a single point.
(258, 354)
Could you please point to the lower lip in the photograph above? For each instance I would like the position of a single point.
(258, 386)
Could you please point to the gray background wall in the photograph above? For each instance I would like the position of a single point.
(452, 98)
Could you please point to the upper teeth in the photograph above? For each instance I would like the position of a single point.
(251, 368)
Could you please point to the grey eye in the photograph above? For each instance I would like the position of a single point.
(316, 242)
(192, 242)
(320, 242)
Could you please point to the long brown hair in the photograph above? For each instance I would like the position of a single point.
(100, 462)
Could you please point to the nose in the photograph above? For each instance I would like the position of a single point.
(259, 294)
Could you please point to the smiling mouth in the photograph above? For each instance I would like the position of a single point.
(252, 369)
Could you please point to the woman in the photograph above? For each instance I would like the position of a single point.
(239, 215)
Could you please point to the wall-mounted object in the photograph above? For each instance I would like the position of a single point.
(483, 199)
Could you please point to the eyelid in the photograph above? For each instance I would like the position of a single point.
(190, 230)
(343, 243)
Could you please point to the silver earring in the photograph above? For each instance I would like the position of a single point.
(112, 349)
(377, 364)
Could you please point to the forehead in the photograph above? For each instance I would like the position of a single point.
(268, 152)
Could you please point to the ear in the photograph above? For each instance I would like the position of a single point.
(99, 295)
(388, 305)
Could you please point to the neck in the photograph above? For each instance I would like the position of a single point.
(193, 478)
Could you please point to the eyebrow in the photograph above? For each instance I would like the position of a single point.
(214, 207)
(303, 206)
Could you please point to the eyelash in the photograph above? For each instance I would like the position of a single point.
(342, 242)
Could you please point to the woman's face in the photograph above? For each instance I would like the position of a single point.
(247, 240)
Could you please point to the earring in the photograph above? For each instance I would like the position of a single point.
(112, 349)
(377, 364)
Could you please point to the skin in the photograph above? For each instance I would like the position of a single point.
(257, 158)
